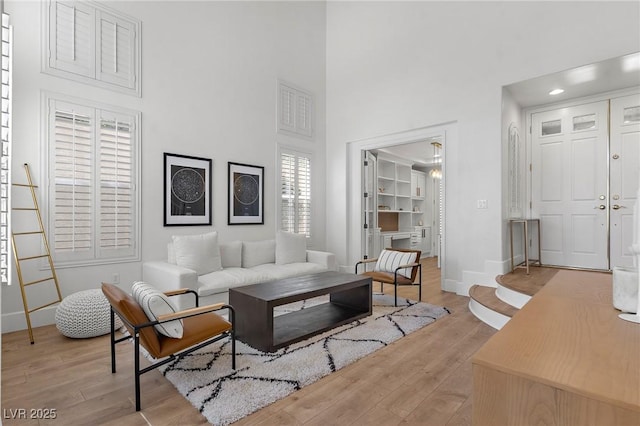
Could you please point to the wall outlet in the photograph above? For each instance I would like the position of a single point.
(483, 204)
(115, 279)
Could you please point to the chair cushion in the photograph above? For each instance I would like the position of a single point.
(196, 329)
(128, 309)
(387, 277)
(389, 260)
(155, 303)
(290, 248)
(256, 253)
(200, 253)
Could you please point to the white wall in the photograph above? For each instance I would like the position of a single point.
(398, 66)
(209, 75)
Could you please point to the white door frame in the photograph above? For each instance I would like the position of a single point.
(448, 132)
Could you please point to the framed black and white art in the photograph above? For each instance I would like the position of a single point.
(246, 194)
(187, 190)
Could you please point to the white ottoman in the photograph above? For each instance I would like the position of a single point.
(84, 314)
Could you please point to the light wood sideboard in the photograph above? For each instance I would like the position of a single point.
(564, 359)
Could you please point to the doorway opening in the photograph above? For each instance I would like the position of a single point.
(392, 170)
(402, 189)
(582, 161)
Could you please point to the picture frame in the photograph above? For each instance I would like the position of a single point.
(245, 194)
(187, 190)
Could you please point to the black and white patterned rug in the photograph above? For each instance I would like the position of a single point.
(223, 396)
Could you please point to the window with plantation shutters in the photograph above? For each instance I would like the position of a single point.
(6, 106)
(92, 192)
(116, 185)
(88, 42)
(295, 192)
(117, 37)
(295, 110)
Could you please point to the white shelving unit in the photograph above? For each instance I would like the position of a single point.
(401, 205)
(398, 206)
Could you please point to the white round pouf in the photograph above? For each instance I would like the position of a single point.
(85, 314)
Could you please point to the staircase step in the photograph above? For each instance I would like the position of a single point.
(519, 281)
(486, 296)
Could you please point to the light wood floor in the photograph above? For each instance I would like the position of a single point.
(424, 378)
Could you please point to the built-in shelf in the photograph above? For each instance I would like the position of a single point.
(398, 206)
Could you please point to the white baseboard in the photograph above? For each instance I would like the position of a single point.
(512, 297)
(15, 321)
(486, 315)
(451, 286)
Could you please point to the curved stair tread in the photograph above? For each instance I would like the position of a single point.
(519, 281)
(487, 297)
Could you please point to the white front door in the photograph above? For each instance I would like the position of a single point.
(569, 184)
(624, 169)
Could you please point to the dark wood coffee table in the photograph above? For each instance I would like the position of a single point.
(350, 299)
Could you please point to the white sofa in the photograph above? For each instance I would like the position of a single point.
(200, 263)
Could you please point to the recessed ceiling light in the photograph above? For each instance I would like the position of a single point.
(556, 91)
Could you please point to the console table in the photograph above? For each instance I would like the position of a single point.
(564, 359)
(525, 228)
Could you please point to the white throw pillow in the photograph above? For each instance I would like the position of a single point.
(198, 252)
(256, 253)
(389, 260)
(155, 303)
(290, 248)
(231, 254)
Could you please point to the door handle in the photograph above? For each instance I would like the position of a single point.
(601, 207)
(616, 207)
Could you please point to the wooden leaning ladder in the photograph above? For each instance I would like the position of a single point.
(47, 254)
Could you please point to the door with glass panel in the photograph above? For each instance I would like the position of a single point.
(625, 172)
(584, 181)
(569, 184)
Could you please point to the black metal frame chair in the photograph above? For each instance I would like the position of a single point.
(395, 278)
(166, 349)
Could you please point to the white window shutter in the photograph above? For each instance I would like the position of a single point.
(72, 38)
(93, 201)
(295, 110)
(304, 196)
(295, 192)
(116, 189)
(303, 114)
(287, 109)
(287, 192)
(91, 43)
(72, 204)
(115, 46)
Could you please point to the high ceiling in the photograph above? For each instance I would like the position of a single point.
(605, 76)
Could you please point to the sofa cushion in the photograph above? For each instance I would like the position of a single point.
(231, 254)
(389, 260)
(278, 272)
(290, 248)
(155, 303)
(198, 252)
(258, 252)
(221, 281)
(171, 254)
